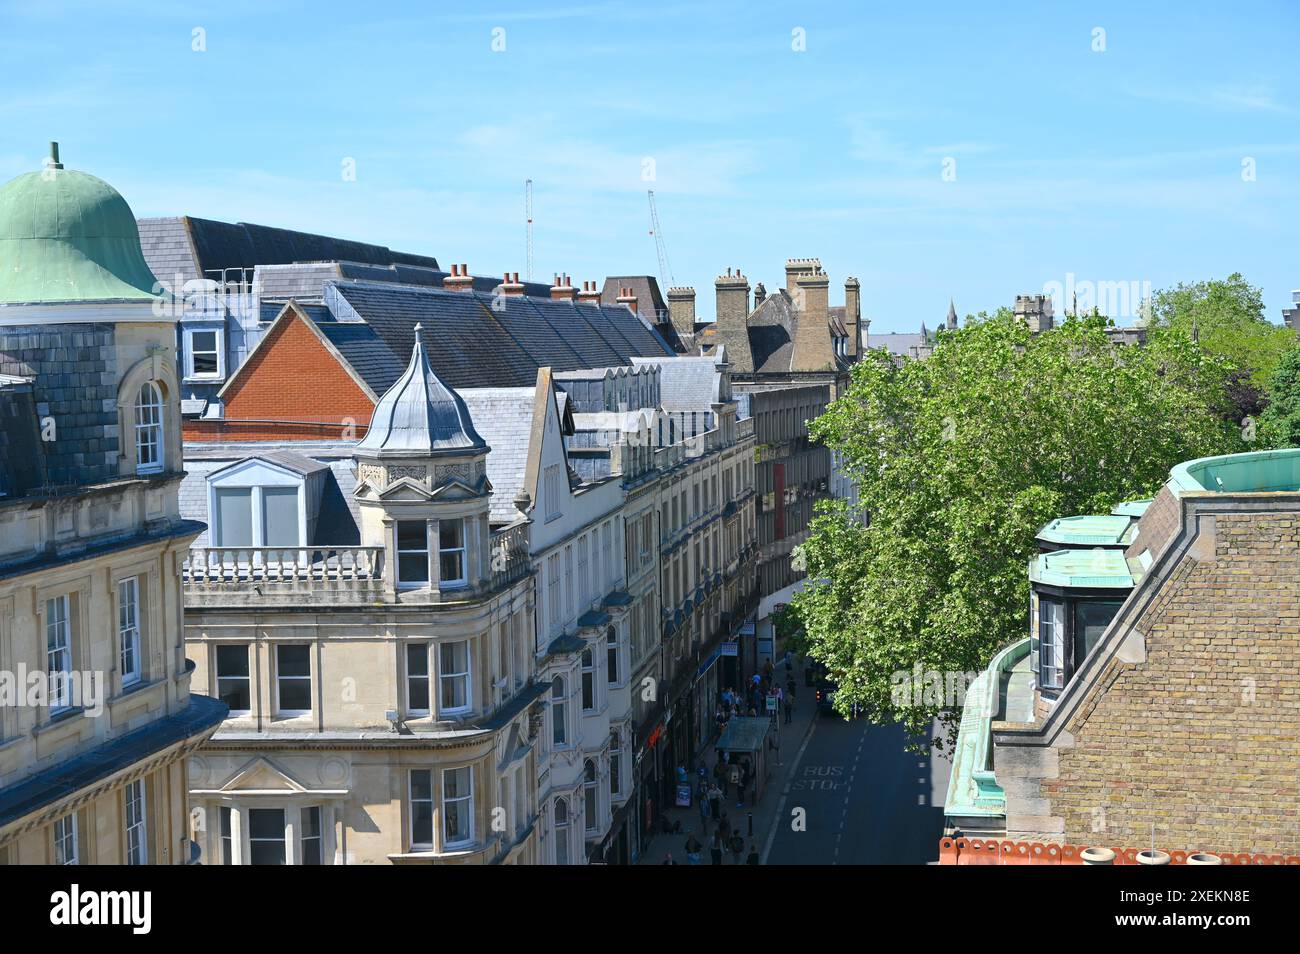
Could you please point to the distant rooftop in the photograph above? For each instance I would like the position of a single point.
(1275, 471)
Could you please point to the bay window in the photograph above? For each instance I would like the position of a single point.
(1051, 643)
(421, 808)
(451, 553)
(457, 807)
(588, 680)
(591, 795)
(453, 682)
(417, 678)
(412, 553)
(559, 726)
(266, 836)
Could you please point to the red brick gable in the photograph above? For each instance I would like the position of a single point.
(294, 377)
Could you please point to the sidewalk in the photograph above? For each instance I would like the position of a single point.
(781, 764)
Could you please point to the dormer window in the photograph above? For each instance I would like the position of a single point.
(148, 429)
(1067, 628)
(203, 354)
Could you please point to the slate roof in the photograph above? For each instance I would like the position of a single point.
(192, 247)
(22, 458)
(504, 416)
(306, 280)
(472, 344)
(686, 383)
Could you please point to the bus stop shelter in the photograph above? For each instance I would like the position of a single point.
(746, 738)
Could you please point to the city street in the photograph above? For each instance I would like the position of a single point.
(865, 799)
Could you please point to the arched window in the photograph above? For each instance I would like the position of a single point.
(561, 831)
(590, 795)
(148, 429)
(559, 730)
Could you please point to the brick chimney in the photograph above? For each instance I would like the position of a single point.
(590, 294)
(563, 289)
(1035, 311)
(852, 313)
(813, 348)
(732, 293)
(511, 285)
(681, 310)
(459, 279)
(627, 296)
(796, 268)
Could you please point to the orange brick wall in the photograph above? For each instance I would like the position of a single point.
(291, 377)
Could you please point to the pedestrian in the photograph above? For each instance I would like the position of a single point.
(789, 688)
(702, 795)
(668, 859)
(737, 847)
(715, 802)
(753, 855)
(693, 850)
(724, 825)
(789, 710)
(715, 849)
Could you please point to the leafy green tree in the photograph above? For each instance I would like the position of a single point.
(960, 459)
(1227, 319)
(1280, 424)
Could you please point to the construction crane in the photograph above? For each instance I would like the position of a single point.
(665, 270)
(528, 214)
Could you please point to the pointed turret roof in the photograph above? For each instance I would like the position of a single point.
(952, 314)
(419, 415)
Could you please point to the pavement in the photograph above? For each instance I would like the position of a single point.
(781, 765)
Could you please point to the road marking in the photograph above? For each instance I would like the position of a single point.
(779, 818)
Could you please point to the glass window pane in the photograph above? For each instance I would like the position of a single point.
(280, 517)
(234, 519)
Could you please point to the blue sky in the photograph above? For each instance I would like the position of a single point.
(1117, 165)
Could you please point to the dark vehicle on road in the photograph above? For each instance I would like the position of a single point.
(825, 696)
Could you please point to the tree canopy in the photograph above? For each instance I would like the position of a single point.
(959, 460)
(1280, 424)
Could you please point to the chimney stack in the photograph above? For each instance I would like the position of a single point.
(1035, 311)
(797, 268)
(627, 296)
(459, 279)
(760, 295)
(563, 289)
(681, 310)
(732, 293)
(590, 294)
(852, 314)
(813, 348)
(511, 285)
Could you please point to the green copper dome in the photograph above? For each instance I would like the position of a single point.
(66, 236)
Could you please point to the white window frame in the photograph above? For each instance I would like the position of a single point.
(559, 712)
(304, 812)
(423, 552)
(246, 678)
(1051, 662)
(58, 652)
(128, 630)
(149, 432)
(613, 658)
(465, 800)
(65, 840)
(218, 346)
(420, 649)
(137, 823)
(591, 794)
(561, 831)
(256, 476)
(588, 664)
(413, 801)
(465, 676)
(616, 735)
(281, 677)
(462, 550)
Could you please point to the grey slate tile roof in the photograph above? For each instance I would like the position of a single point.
(504, 418)
(195, 246)
(896, 343)
(686, 384)
(472, 344)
